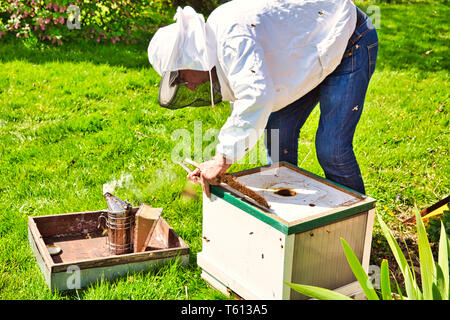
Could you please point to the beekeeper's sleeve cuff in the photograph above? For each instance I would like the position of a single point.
(228, 152)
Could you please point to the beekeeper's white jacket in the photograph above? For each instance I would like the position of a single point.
(267, 55)
(271, 53)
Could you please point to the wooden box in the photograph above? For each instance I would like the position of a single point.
(85, 257)
(252, 252)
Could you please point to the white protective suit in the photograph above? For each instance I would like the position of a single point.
(267, 54)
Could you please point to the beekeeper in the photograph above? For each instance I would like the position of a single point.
(274, 61)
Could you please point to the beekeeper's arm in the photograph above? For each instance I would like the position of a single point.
(242, 60)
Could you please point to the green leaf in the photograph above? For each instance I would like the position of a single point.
(317, 293)
(385, 282)
(427, 267)
(440, 285)
(399, 291)
(412, 290)
(443, 262)
(436, 294)
(411, 287)
(359, 272)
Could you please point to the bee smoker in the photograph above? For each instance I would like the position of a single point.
(119, 222)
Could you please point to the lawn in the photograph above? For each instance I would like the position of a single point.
(80, 116)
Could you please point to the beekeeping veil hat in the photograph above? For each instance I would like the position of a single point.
(187, 44)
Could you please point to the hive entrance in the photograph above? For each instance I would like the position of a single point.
(286, 192)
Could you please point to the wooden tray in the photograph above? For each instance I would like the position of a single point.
(85, 258)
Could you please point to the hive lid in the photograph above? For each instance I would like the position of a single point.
(299, 200)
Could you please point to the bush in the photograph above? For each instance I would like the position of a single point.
(202, 6)
(58, 21)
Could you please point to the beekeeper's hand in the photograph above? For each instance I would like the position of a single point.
(208, 171)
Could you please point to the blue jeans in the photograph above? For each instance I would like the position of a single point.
(341, 96)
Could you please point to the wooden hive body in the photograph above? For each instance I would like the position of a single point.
(252, 252)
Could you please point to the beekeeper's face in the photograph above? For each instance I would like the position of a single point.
(188, 88)
(192, 78)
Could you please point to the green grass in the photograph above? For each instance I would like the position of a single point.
(76, 117)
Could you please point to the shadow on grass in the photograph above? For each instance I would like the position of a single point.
(121, 54)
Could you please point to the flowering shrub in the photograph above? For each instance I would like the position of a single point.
(57, 21)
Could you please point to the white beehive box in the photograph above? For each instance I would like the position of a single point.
(252, 252)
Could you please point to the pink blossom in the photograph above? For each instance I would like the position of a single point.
(98, 40)
(25, 14)
(47, 21)
(92, 36)
(18, 35)
(61, 20)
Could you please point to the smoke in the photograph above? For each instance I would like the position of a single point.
(145, 185)
(126, 179)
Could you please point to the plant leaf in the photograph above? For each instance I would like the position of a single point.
(359, 272)
(443, 262)
(435, 292)
(427, 267)
(410, 285)
(317, 293)
(440, 284)
(399, 290)
(386, 293)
